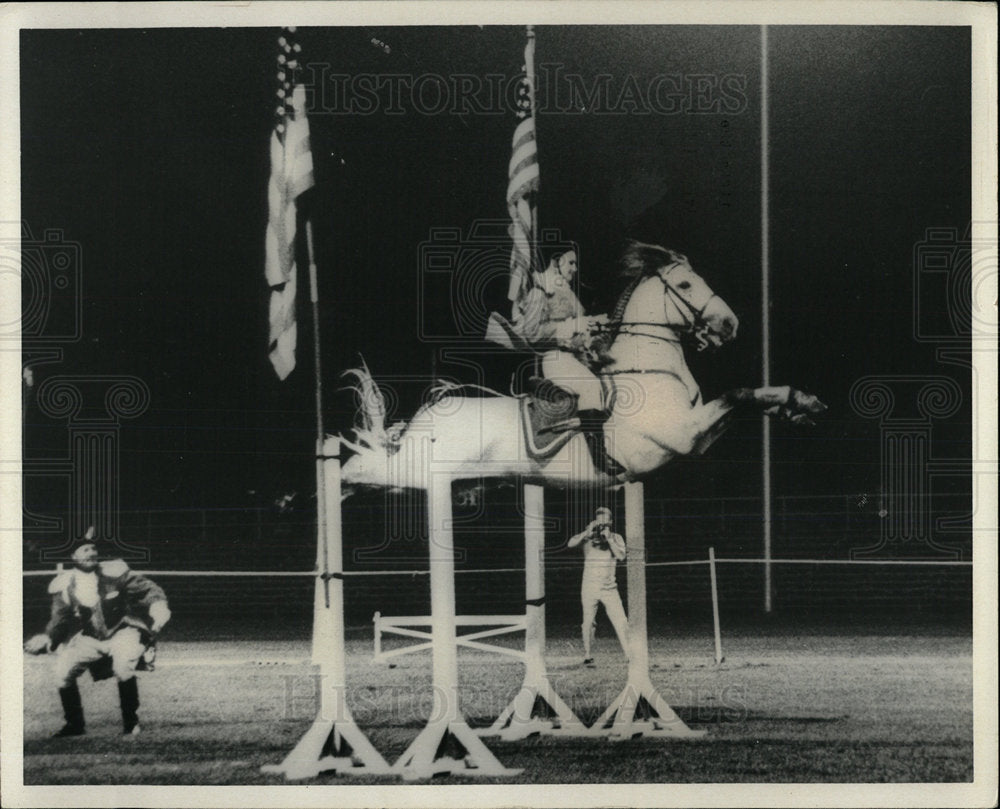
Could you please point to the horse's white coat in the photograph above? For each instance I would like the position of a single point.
(658, 413)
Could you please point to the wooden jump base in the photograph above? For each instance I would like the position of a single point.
(521, 717)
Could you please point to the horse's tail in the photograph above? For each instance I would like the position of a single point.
(370, 431)
(369, 426)
(445, 387)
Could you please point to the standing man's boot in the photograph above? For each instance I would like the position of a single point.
(128, 693)
(72, 711)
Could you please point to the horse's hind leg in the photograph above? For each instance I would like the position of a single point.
(715, 419)
(709, 421)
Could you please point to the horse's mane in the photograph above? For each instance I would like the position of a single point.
(640, 259)
(637, 262)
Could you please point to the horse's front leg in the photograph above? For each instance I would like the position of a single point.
(712, 419)
(785, 402)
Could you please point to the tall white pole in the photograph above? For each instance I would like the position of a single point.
(623, 714)
(334, 644)
(444, 653)
(534, 575)
(765, 305)
(427, 754)
(529, 72)
(321, 595)
(715, 605)
(334, 742)
(635, 566)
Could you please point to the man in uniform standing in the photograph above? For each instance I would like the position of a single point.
(602, 550)
(104, 618)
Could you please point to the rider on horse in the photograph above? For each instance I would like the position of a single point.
(549, 318)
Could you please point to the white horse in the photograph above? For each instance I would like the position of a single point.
(657, 411)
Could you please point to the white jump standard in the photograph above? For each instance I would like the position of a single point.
(446, 725)
(519, 720)
(639, 710)
(334, 729)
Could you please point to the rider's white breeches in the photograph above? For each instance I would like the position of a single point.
(567, 371)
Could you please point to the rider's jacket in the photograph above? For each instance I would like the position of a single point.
(550, 314)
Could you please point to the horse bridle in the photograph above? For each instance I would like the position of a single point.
(700, 333)
(692, 314)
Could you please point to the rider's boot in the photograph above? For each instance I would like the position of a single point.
(592, 426)
(592, 421)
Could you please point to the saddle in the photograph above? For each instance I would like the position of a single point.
(550, 418)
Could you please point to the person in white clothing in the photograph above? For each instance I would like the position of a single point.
(602, 550)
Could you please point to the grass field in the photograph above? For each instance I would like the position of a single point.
(787, 707)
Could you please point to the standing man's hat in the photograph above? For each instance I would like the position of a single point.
(86, 539)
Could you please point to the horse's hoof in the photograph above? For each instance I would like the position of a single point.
(806, 402)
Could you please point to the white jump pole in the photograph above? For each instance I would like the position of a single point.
(334, 742)
(518, 719)
(427, 755)
(715, 607)
(639, 710)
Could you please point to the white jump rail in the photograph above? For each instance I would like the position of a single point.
(402, 625)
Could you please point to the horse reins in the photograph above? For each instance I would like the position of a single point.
(616, 324)
(691, 315)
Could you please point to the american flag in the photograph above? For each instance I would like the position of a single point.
(523, 179)
(291, 175)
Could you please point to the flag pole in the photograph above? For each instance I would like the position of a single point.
(323, 556)
(334, 741)
(765, 306)
(529, 70)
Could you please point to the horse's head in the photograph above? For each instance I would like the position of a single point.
(690, 306)
(693, 307)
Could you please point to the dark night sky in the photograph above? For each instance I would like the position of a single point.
(149, 148)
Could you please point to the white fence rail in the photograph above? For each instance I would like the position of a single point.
(403, 625)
